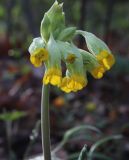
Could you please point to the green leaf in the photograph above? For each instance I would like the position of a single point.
(71, 132)
(73, 156)
(12, 116)
(100, 142)
(83, 153)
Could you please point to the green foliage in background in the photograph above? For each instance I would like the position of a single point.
(95, 14)
(12, 116)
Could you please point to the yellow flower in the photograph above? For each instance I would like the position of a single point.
(106, 59)
(38, 56)
(64, 86)
(98, 72)
(73, 83)
(56, 46)
(52, 76)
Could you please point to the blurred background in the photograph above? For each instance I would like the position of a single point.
(103, 103)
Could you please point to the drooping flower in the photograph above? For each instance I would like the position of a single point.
(52, 76)
(102, 53)
(53, 73)
(106, 59)
(38, 54)
(75, 78)
(73, 83)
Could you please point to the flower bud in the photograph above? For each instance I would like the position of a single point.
(53, 21)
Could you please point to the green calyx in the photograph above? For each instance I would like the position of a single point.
(89, 60)
(94, 44)
(67, 34)
(54, 53)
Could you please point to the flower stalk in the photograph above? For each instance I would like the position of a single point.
(45, 123)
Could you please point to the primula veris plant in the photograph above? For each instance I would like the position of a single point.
(55, 45)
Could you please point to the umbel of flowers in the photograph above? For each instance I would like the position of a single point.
(55, 45)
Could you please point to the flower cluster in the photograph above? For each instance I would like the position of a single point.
(55, 46)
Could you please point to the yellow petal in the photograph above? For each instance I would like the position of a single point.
(102, 54)
(73, 83)
(64, 86)
(35, 62)
(39, 56)
(55, 80)
(105, 59)
(53, 76)
(106, 64)
(98, 72)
